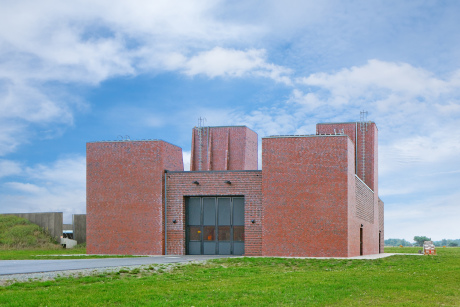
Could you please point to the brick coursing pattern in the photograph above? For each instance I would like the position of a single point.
(370, 229)
(180, 185)
(353, 130)
(381, 212)
(364, 201)
(381, 224)
(305, 190)
(223, 148)
(308, 201)
(124, 193)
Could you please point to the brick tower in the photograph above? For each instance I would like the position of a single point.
(223, 149)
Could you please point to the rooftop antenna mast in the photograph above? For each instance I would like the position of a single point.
(363, 128)
(201, 121)
(123, 138)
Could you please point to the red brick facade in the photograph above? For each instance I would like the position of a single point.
(381, 225)
(368, 170)
(124, 195)
(305, 195)
(223, 148)
(308, 200)
(214, 183)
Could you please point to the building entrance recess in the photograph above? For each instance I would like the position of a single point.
(215, 225)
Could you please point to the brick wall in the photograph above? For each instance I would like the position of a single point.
(365, 216)
(362, 214)
(251, 153)
(223, 148)
(307, 203)
(213, 183)
(364, 201)
(354, 223)
(381, 224)
(125, 195)
(306, 195)
(353, 130)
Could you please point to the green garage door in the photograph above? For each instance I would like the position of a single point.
(215, 225)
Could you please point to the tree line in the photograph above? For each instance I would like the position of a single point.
(418, 241)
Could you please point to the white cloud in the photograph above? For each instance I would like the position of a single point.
(71, 171)
(26, 102)
(416, 151)
(186, 157)
(25, 187)
(59, 187)
(87, 42)
(11, 136)
(415, 110)
(417, 116)
(424, 217)
(235, 63)
(269, 121)
(8, 168)
(24, 105)
(309, 100)
(378, 80)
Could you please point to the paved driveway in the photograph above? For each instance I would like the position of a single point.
(9, 267)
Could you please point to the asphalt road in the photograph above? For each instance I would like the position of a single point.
(10, 267)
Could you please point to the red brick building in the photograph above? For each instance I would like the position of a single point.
(316, 195)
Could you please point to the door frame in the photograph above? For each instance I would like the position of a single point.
(216, 225)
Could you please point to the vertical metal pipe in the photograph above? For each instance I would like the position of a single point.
(356, 148)
(166, 213)
(208, 162)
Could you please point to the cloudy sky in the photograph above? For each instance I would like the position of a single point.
(78, 71)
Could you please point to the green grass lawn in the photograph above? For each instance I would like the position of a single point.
(406, 250)
(398, 280)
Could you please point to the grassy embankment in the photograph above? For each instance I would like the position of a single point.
(398, 280)
(20, 239)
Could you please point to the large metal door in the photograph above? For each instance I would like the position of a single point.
(215, 225)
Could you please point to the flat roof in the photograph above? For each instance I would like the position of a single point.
(302, 136)
(229, 171)
(242, 126)
(128, 141)
(338, 123)
(357, 122)
(222, 126)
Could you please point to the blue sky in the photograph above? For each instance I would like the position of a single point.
(80, 71)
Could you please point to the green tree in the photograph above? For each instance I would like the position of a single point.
(453, 244)
(397, 242)
(420, 239)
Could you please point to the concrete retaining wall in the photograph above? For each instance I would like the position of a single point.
(50, 221)
(79, 228)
